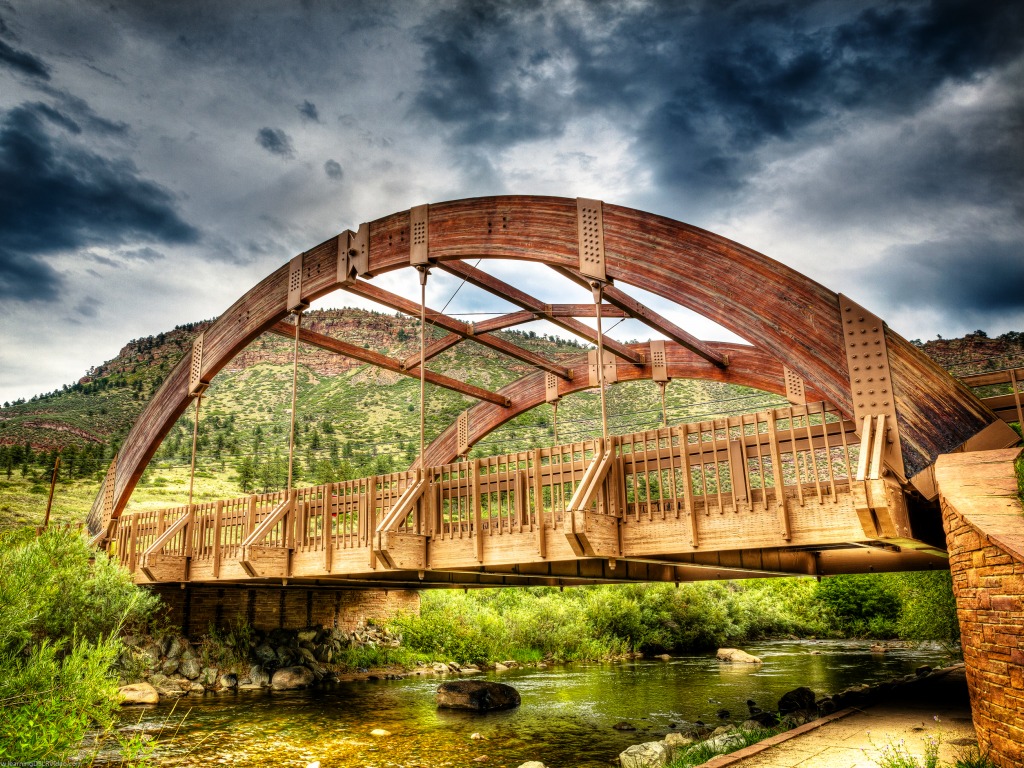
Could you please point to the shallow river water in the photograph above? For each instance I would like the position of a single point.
(565, 719)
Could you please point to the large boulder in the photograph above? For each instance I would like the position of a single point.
(798, 700)
(736, 656)
(653, 754)
(139, 693)
(290, 678)
(477, 695)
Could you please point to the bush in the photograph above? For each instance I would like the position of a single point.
(863, 605)
(61, 606)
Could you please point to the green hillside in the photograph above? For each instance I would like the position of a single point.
(352, 419)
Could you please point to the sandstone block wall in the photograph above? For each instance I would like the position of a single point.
(196, 608)
(984, 525)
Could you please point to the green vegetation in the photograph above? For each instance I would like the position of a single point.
(703, 751)
(897, 755)
(61, 608)
(530, 624)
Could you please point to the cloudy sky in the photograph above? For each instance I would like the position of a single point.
(157, 159)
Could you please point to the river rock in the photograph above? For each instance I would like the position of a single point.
(624, 725)
(477, 695)
(799, 699)
(190, 667)
(736, 656)
(229, 681)
(664, 657)
(380, 732)
(290, 678)
(532, 764)
(169, 667)
(729, 738)
(139, 693)
(258, 676)
(307, 635)
(878, 648)
(175, 649)
(499, 667)
(265, 653)
(208, 676)
(652, 754)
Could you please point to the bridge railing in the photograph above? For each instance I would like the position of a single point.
(735, 464)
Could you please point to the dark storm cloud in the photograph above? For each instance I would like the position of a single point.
(977, 276)
(308, 111)
(56, 195)
(276, 142)
(707, 88)
(22, 62)
(333, 170)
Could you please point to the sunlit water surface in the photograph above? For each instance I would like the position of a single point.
(565, 719)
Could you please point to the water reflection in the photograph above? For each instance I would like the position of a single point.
(565, 719)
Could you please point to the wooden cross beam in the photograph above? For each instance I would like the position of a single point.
(649, 317)
(438, 346)
(512, 294)
(331, 344)
(388, 299)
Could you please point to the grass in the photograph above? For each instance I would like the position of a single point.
(702, 751)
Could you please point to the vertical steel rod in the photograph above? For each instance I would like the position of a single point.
(195, 442)
(598, 289)
(295, 387)
(423, 362)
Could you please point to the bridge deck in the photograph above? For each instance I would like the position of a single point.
(757, 494)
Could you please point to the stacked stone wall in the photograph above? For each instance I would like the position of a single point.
(198, 608)
(988, 582)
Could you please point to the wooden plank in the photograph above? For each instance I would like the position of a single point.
(218, 520)
(780, 496)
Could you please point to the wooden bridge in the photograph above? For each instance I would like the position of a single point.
(840, 480)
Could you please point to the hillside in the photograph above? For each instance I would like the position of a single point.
(353, 419)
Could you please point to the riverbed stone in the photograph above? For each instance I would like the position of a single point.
(477, 695)
(139, 693)
(499, 667)
(532, 764)
(175, 648)
(229, 681)
(799, 699)
(380, 732)
(258, 676)
(651, 754)
(190, 667)
(736, 656)
(624, 725)
(290, 678)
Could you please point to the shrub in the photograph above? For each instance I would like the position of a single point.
(863, 605)
(61, 606)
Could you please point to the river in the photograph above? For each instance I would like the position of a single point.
(566, 716)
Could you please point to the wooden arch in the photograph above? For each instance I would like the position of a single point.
(788, 318)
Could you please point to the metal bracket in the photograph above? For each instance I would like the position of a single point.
(354, 254)
(590, 230)
(295, 302)
(795, 390)
(870, 379)
(551, 388)
(196, 383)
(418, 232)
(463, 429)
(611, 371)
(659, 365)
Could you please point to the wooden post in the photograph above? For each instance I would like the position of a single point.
(218, 522)
(780, 494)
(474, 500)
(53, 485)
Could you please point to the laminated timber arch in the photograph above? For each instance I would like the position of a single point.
(789, 319)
